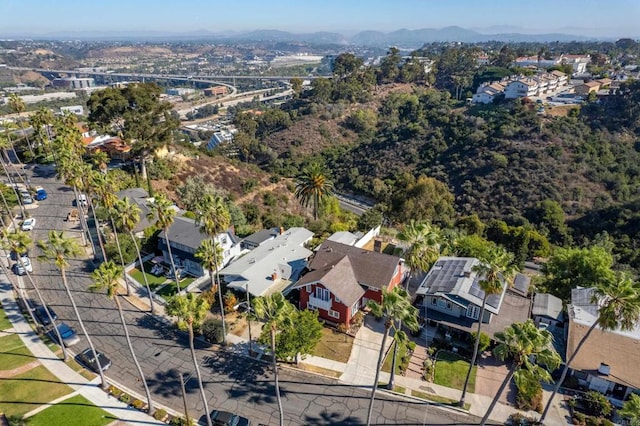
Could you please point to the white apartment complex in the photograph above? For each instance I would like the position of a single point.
(520, 87)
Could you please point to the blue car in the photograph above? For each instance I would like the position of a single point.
(41, 194)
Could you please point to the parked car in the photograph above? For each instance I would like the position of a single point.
(157, 270)
(41, 314)
(242, 307)
(82, 200)
(68, 335)
(29, 224)
(225, 418)
(13, 255)
(86, 358)
(26, 198)
(41, 194)
(22, 266)
(179, 273)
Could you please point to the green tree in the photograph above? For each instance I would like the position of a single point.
(370, 219)
(17, 105)
(618, 301)
(631, 410)
(569, 268)
(390, 66)
(106, 278)
(137, 113)
(58, 249)
(396, 306)
(296, 85)
(494, 272)
(161, 210)
(421, 199)
(523, 342)
(321, 90)
(313, 186)
(300, 338)
(276, 313)
(191, 310)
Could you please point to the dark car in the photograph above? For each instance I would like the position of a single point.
(14, 255)
(41, 194)
(41, 315)
(69, 337)
(225, 418)
(86, 358)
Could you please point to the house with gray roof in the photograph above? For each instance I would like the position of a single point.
(258, 238)
(139, 197)
(185, 237)
(452, 297)
(547, 309)
(342, 279)
(272, 266)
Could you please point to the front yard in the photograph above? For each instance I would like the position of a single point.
(451, 370)
(334, 345)
(75, 411)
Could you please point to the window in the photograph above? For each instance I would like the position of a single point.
(334, 314)
(473, 312)
(308, 286)
(355, 308)
(434, 300)
(322, 294)
(442, 303)
(337, 299)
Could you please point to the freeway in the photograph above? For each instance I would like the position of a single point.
(233, 382)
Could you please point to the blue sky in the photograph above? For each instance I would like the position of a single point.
(615, 18)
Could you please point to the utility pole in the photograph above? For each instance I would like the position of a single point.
(246, 288)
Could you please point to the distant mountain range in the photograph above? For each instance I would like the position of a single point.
(402, 38)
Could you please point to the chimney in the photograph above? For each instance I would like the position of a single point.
(281, 230)
(466, 274)
(274, 276)
(604, 369)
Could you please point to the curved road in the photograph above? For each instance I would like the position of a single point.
(233, 383)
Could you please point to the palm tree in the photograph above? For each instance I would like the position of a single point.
(191, 310)
(519, 342)
(19, 243)
(161, 210)
(276, 313)
(127, 216)
(210, 253)
(618, 303)
(313, 186)
(424, 241)
(631, 410)
(213, 218)
(58, 249)
(396, 306)
(41, 122)
(493, 273)
(106, 278)
(17, 105)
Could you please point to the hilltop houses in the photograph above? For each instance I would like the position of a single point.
(520, 87)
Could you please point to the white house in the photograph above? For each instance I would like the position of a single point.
(486, 93)
(521, 88)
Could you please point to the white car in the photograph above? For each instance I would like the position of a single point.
(29, 224)
(23, 266)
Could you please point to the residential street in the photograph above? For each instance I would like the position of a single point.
(232, 382)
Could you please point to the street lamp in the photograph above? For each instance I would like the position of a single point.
(246, 289)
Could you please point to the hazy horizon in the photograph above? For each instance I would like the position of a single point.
(575, 17)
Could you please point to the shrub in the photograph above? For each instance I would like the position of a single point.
(115, 391)
(529, 395)
(606, 422)
(429, 368)
(358, 319)
(212, 330)
(342, 327)
(230, 300)
(411, 346)
(126, 398)
(138, 405)
(160, 414)
(578, 418)
(181, 421)
(484, 343)
(596, 404)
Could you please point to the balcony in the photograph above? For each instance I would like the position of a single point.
(319, 303)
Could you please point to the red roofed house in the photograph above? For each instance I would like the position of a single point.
(343, 278)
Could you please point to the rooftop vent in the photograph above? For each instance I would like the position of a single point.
(604, 369)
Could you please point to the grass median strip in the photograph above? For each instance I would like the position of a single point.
(13, 352)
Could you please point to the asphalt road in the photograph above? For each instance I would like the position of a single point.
(233, 383)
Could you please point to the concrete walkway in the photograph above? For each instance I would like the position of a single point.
(88, 389)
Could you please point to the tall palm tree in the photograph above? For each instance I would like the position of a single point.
(191, 310)
(106, 278)
(41, 122)
(424, 246)
(213, 218)
(17, 105)
(493, 272)
(276, 313)
(19, 243)
(396, 306)
(313, 187)
(519, 342)
(57, 249)
(210, 253)
(161, 210)
(127, 216)
(618, 303)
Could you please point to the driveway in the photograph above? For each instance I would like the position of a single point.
(491, 374)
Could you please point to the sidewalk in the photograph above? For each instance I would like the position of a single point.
(88, 389)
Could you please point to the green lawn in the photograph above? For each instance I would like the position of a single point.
(4, 321)
(13, 353)
(24, 392)
(153, 280)
(75, 411)
(334, 345)
(451, 370)
(386, 367)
